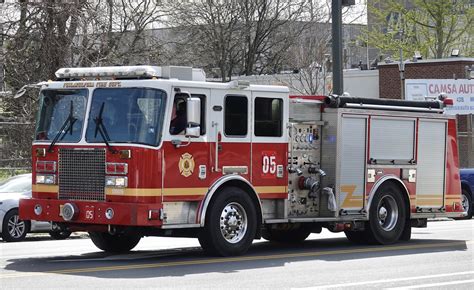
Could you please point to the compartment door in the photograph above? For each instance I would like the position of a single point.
(431, 162)
(352, 162)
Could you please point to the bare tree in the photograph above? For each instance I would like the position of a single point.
(309, 55)
(117, 32)
(45, 35)
(42, 36)
(310, 58)
(240, 37)
(210, 32)
(38, 37)
(269, 28)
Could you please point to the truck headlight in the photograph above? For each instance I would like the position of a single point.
(116, 181)
(45, 179)
(38, 209)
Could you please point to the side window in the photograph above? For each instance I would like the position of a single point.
(268, 117)
(179, 117)
(236, 116)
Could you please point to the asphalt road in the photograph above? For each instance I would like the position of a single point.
(439, 257)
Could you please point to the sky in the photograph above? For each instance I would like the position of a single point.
(358, 13)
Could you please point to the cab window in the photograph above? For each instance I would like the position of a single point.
(268, 117)
(236, 116)
(179, 115)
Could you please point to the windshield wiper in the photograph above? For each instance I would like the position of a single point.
(100, 128)
(69, 121)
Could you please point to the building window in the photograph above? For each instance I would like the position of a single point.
(268, 117)
(236, 116)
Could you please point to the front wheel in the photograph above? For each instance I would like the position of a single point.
(231, 223)
(118, 243)
(387, 215)
(14, 229)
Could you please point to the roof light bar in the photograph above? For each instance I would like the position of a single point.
(132, 72)
(110, 72)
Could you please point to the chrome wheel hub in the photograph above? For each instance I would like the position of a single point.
(383, 213)
(16, 227)
(387, 213)
(465, 203)
(233, 222)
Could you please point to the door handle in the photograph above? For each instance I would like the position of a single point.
(218, 147)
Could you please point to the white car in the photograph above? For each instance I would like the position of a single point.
(12, 229)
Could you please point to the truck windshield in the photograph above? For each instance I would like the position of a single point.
(58, 107)
(126, 115)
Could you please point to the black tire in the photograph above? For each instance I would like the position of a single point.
(14, 229)
(231, 223)
(357, 237)
(118, 243)
(467, 201)
(60, 235)
(288, 236)
(387, 215)
(406, 235)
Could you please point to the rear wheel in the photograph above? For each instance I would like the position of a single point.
(387, 215)
(290, 236)
(231, 223)
(14, 229)
(118, 243)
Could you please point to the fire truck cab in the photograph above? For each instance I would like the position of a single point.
(126, 152)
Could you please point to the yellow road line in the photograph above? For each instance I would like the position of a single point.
(239, 259)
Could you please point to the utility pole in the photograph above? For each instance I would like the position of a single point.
(401, 65)
(401, 68)
(337, 74)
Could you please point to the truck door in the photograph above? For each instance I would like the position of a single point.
(431, 163)
(230, 133)
(353, 162)
(186, 165)
(269, 145)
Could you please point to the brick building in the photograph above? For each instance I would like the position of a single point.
(450, 68)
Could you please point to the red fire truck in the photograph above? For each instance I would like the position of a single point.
(127, 152)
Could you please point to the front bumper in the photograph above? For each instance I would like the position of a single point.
(90, 212)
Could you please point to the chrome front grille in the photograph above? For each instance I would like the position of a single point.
(81, 174)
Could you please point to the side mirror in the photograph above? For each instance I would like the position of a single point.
(20, 92)
(23, 89)
(193, 111)
(194, 132)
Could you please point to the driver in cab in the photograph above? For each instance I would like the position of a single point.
(178, 120)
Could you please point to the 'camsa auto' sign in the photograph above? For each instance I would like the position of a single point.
(461, 91)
